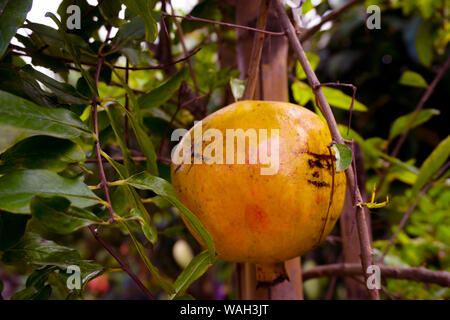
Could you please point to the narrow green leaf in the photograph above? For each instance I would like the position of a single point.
(41, 152)
(65, 92)
(338, 99)
(343, 156)
(12, 15)
(400, 124)
(146, 181)
(424, 44)
(154, 271)
(432, 165)
(148, 230)
(115, 117)
(75, 52)
(313, 59)
(144, 141)
(195, 269)
(18, 187)
(58, 216)
(163, 93)
(413, 79)
(21, 113)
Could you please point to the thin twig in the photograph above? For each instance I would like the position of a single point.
(441, 278)
(231, 25)
(97, 145)
(93, 64)
(185, 51)
(410, 210)
(124, 266)
(365, 243)
(255, 57)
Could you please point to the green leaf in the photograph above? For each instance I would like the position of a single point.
(12, 228)
(21, 113)
(302, 92)
(133, 30)
(432, 165)
(65, 92)
(400, 124)
(163, 93)
(413, 79)
(144, 8)
(12, 15)
(424, 44)
(313, 59)
(153, 270)
(144, 141)
(41, 152)
(338, 99)
(18, 187)
(148, 230)
(110, 11)
(33, 250)
(58, 216)
(146, 181)
(36, 287)
(343, 156)
(195, 269)
(237, 88)
(74, 50)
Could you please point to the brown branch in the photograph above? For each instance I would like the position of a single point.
(104, 182)
(331, 16)
(255, 57)
(364, 237)
(410, 210)
(416, 111)
(185, 51)
(231, 25)
(135, 158)
(441, 278)
(124, 266)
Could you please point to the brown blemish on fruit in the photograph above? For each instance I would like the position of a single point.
(319, 184)
(315, 174)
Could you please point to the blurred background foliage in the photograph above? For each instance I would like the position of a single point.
(391, 68)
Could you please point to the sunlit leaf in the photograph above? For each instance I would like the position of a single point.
(343, 156)
(432, 165)
(313, 59)
(413, 79)
(195, 269)
(338, 99)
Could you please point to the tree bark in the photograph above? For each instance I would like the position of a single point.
(355, 289)
(272, 84)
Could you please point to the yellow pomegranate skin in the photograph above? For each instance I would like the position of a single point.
(265, 218)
